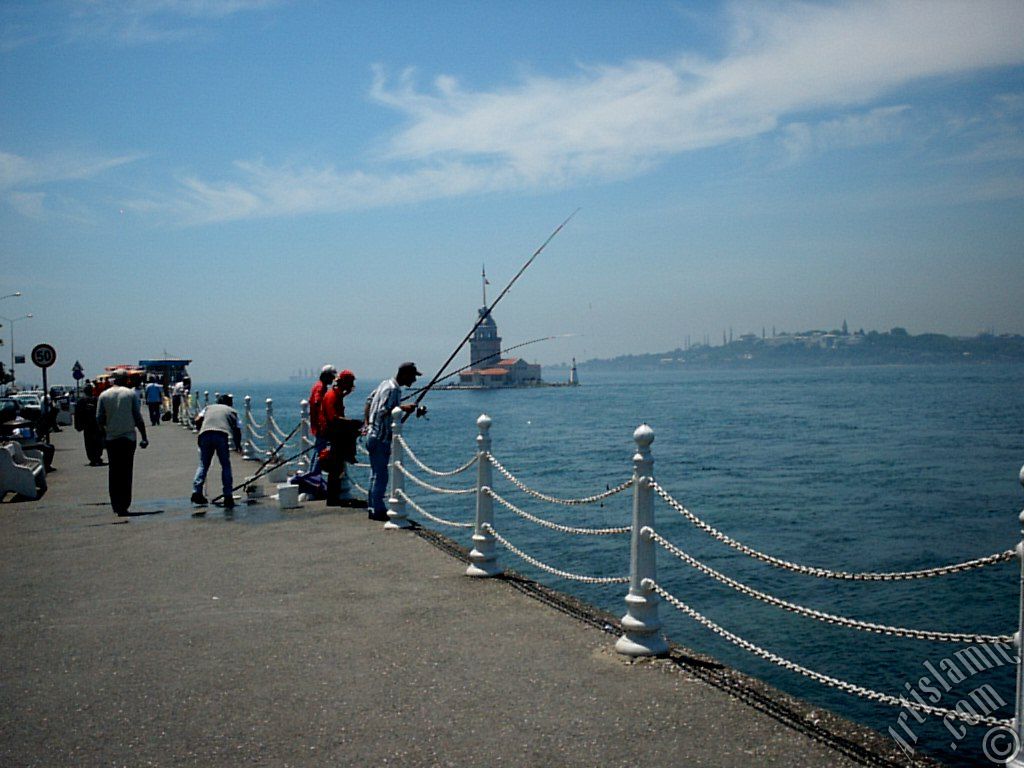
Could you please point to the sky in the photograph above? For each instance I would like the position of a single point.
(267, 186)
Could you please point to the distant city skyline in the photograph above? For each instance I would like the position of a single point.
(266, 185)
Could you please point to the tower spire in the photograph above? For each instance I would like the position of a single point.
(483, 279)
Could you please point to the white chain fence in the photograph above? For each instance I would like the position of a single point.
(430, 471)
(544, 567)
(403, 495)
(824, 573)
(832, 682)
(828, 618)
(555, 526)
(552, 499)
(424, 484)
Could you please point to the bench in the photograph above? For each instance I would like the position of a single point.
(22, 472)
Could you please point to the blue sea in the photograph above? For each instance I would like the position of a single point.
(857, 469)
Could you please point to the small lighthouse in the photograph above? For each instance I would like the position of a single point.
(573, 378)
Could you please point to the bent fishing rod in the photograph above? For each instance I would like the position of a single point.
(464, 368)
(486, 313)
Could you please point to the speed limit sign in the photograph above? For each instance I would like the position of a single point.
(43, 355)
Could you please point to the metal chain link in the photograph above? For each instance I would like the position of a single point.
(422, 511)
(824, 573)
(564, 574)
(551, 499)
(358, 487)
(828, 618)
(554, 526)
(428, 470)
(424, 484)
(832, 682)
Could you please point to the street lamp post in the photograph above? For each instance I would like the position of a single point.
(12, 322)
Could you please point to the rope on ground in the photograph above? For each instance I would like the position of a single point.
(544, 567)
(434, 488)
(436, 473)
(824, 573)
(552, 499)
(555, 526)
(832, 682)
(403, 495)
(828, 618)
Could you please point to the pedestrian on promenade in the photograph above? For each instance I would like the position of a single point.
(177, 392)
(316, 424)
(216, 422)
(341, 434)
(377, 425)
(118, 415)
(154, 397)
(85, 422)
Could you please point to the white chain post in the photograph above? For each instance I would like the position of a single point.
(267, 429)
(206, 397)
(306, 461)
(483, 559)
(642, 635)
(1017, 760)
(397, 518)
(247, 447)
(195, 409)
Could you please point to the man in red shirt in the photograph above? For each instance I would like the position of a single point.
(341, 434)
(316, 423)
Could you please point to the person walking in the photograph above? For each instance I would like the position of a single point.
(118, 415)
(154, 398)
(377, 425)
(216, 422)
(316, 423)
(85, 422)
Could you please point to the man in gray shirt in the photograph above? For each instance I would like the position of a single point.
(119, 414)
(215, 423)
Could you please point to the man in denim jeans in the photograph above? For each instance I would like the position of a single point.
(377, 423)
(215, 423)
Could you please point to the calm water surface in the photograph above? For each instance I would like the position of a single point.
(874, 469)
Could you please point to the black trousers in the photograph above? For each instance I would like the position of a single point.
(154, 414)
(121, 465)
(93, 445)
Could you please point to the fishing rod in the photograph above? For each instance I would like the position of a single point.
(485, 359)
(487, 313)
(257, 474)
(281, 463)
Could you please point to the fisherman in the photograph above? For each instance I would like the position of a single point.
(377, 426)
(215, 423)
(85, 422)
(119, 414)
(316, 424)
(341, 434)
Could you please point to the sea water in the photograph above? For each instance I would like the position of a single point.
(858, 469)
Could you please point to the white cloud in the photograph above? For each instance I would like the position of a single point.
(138, 22)
(17, 171)
(28, 204)
(784, 64)
(877, 126)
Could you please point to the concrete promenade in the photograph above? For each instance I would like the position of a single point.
(315, 638)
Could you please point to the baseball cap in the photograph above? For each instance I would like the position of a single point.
(411, 367)
(328, 369)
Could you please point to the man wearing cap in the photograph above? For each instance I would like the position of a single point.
(377, 423)
(316, 417)
(216, 424)
(341, 433)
